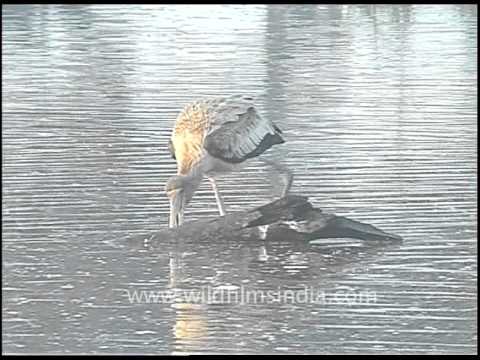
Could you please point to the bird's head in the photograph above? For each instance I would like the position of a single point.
(180, 190)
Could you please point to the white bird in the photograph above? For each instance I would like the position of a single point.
(215, 136)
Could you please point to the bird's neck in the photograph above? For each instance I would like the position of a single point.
(194, 175)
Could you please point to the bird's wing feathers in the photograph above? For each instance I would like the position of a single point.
(227, 128)
(237, 132)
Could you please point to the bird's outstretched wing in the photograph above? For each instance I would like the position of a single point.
(237, 131)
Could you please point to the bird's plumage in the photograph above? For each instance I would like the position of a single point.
(212, 136)
(229, 129)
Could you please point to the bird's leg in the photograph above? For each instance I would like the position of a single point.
(288, 175)
(218, 198)
(285, 172)
(263, 231)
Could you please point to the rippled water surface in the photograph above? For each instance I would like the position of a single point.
(378, 107)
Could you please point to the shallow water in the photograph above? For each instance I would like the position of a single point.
(378, 107)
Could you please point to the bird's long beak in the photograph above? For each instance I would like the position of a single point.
(176, 210)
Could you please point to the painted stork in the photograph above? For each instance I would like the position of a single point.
(215, 136)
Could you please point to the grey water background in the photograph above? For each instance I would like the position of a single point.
(378, 107)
